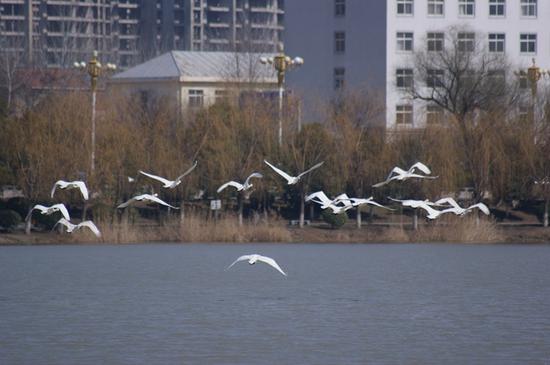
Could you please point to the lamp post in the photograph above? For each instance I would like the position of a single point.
(281, 63)
(94, 69)
(533, 75)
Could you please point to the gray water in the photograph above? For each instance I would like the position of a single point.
(340, 304)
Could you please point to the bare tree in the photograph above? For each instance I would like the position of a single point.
(461, 76)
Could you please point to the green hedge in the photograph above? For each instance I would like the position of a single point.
(335, 220)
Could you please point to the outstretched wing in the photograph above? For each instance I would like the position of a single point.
(37, 206)
(271, 262)
(449, 201)
(66, 223)
(311, 169)
(83, 189)
(158, 178)
(342, 198)
(370, 201)
(91, 226)
(126, 203)
(318, 197)
(242, 258)
(254, 174)
(420, 166)
(481, 207)
(58, 182)
(158, 200)
(63, 210)
(287, 177)
(187, 172)
(230, 183)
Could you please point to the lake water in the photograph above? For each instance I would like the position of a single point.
(340, 304)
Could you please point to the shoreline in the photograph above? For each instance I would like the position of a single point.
(368, 234)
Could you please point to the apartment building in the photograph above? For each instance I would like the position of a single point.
(516, 29)
(59, 32)
(343, 44)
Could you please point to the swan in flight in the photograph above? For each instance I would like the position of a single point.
(399, 174)
(321, 198)
(252, 259)
(50, 210)
(240, 187)
(292, 179)
(423, 204)
(72, 227)
(144, 199)
(370, 200)
(458, 210)
(169, 184)
(61, 184)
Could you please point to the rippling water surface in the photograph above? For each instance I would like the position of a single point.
(340, 304)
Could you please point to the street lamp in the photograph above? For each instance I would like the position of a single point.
(281, 63)
(94, 69)
(533, 75)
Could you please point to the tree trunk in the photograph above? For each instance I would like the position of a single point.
(358, 217)
(28, 224)
(240, 210)
(302, 208)
(415, 220)
(182, 213)
(546, 213)
(311, 212)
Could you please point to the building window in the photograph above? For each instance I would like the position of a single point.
(434, 78)
(496, 42)
(404, 77)
(405, 7)
(339, 78)
(339, 42)
(403, 114)
(404, 41)
(466, 7)
(497, 7)
(434, 114)
(528, 43)
(196, 98)
(435, 42)
(466, 42)
(221, 96)
(436, 7)
(529, 8)
(339, 7)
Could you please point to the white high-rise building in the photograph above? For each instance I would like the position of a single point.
(516, 28)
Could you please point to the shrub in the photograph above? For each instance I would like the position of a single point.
(335, 220)
(20, 205)
(9, 219)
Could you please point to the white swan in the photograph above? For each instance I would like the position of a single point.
(61, 184)
(240, 187)
(370, 200)
(252, 259)
(399, 174)
(145, 198)
(72, 227)
(321, 198)
(423, 204)
(50, 210)
(458, 210)
(170, 184)
(292, 179)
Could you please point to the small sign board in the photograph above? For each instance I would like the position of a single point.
(215, 204)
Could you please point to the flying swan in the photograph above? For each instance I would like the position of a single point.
(145, 198)
(72, 227)
(252, 259)
(50, 210)
(292, 179)
(241, 187)
(61, 184)
(170, 184)
(399, 174)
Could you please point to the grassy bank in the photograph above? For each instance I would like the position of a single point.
(197, 229)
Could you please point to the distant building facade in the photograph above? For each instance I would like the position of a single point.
(192, 80)
(343, 43)
(129, 31)
(517, 29)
